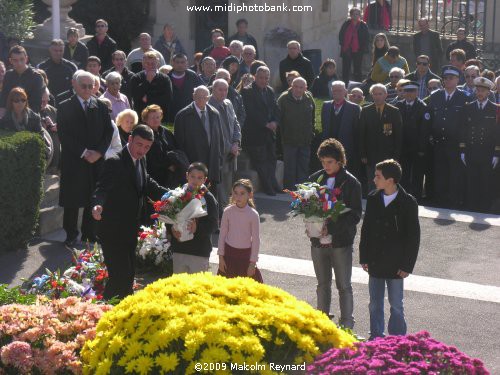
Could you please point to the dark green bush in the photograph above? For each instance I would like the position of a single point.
(22, 165)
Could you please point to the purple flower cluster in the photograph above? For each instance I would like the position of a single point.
(397, 355)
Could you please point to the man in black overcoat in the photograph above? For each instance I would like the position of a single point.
(118, 203)
(85, 130)
(259, 130)
(380, 132)
(416, 134)
(198, 133)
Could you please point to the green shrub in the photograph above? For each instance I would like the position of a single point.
(22, 164)
(16, 18)
(14, 295)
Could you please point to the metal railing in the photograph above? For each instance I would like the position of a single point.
(445, 16)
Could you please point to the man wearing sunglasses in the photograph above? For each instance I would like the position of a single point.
(101, 45)
(85, 130)
(422, 75)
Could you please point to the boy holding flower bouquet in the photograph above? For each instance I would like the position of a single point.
(192, 256)
(338, 254)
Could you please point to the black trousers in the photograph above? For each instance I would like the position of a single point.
(119, 257)
(263, 159)
(412, 180)
(479, 184)
(354, 59)
(70, 224)
(449, 176)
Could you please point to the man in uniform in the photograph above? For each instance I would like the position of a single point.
(446, 108)
(416, 130)
(480, 146)
(380, 132)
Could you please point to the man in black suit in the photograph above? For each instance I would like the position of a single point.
(427, 42)
(381, 135)
(118, 203)
(259, 131)
(480, 146)
(184, 82)
(150, 86)
(198, 132)
(340, 120)
(416, 134)
(85, 130)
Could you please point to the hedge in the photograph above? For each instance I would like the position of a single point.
(22, 166)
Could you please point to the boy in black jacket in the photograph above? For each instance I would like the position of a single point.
(338, 254)
(390, 238)
(192, 256)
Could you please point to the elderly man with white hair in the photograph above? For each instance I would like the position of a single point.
(232, 139)
(295, 60)
(248, 55)
(340, 120)
(198, 133)
(118, 100)
(381, 135)
(134, 58)
(233, 95)
(296, 124)
(85, 130)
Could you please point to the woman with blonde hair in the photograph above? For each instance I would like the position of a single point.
(126, 121)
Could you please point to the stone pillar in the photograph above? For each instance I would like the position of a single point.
(44, 32)
(492, 31)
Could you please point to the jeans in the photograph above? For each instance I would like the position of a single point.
(340, 259)
(296, 159)
(397, 323)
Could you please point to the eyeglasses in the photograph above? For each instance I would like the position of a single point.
(19, 101)
(468, 76)
(101, 25)
(84, 86)
(424, 63)
(391, 77)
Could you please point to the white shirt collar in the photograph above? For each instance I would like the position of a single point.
(198, 110)
(81, 100)
(449, 95)
(128, 149)
(410, 103)
(483, 103)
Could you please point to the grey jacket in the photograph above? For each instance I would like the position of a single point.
(231, 129)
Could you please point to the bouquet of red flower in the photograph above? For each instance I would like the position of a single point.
(177, 207)
(86, 278)
(317, 203)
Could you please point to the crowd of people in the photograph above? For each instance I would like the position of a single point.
(437, 125)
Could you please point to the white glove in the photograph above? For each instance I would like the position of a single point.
(462, 156)
(494, 161)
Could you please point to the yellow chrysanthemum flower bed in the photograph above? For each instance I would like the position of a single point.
(182, 324)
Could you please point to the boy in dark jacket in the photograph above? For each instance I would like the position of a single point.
(390, 238)
(338, 254)
(192, 256)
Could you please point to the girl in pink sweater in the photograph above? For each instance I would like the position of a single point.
(239, 239)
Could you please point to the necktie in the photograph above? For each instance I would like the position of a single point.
(379, 111)
(481, 106)
(408, 107)
(138, 175)
(448, 98)
(85, 106)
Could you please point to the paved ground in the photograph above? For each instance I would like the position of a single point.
(454, 292)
